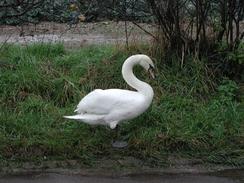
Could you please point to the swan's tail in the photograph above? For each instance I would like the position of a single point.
(74, 117)
(88, 118)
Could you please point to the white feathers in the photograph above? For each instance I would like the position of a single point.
(111, 106)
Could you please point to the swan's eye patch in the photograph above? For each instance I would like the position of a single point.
(151, 67)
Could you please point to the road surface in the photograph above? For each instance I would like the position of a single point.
(167, 178)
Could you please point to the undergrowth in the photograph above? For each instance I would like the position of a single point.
(191, 115)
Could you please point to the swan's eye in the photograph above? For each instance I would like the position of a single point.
(151, 67)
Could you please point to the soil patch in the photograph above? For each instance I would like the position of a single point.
(74, 36)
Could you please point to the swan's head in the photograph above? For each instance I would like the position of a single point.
(147, 64)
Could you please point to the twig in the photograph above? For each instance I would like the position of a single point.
(149, 33)
(126, 35)
(5, 41)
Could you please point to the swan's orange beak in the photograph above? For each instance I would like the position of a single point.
(151, 72)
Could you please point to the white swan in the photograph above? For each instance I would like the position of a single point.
(111, 106)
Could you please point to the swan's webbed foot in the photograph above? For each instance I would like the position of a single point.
(119, 144)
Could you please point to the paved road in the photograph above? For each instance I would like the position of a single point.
(174, 178)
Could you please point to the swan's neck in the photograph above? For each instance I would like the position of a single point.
(133, 81)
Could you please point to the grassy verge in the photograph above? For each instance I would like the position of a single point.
(41, 83)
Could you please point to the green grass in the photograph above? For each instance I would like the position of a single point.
(191, 115)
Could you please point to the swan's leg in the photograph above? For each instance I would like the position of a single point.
(117, 143)
(92, 129)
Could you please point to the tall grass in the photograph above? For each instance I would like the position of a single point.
(190, 114)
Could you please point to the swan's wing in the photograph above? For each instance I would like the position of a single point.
(102, 102)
